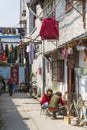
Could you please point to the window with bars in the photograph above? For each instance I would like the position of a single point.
(58, 71)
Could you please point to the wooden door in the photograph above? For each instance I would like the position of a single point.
(71, 79)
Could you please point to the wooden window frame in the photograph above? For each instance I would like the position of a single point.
(59, 78)
(60, 70)
(54, 62)
(68, 6)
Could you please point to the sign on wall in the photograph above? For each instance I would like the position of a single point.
(15, 74)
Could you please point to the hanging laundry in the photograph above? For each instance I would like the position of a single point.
(21, 31)
(4, 31)
(24, 61)
(59, 52)
(49, 29)
(27, 49)
(63, 52)
(1, 48)
(13, 31)
(66, 53)
(16, 53)
(4, 57)
(69, 50)
(6, 50)
(0, 30)
(20, 55)
(9, 30)
(10, 48)
(16, 31)
(31, 50)
(1, 57)
(11, 57)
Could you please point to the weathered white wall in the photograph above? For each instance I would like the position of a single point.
(35, 69)
(83, 87)
(70, 26)
(82, 78)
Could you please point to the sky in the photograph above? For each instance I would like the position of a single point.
(9, 13)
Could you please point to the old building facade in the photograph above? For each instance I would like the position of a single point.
(58, 60)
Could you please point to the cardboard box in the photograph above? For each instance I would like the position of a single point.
(67, 119)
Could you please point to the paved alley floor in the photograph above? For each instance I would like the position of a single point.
(20, 112)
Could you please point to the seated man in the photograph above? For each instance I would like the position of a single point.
(46, 98)
(56, 104)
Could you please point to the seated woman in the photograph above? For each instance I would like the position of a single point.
(56, 104)
(46, 98)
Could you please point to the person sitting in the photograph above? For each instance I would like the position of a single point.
(57, 104)
(46, 98)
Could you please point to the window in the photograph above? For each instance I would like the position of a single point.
(61, 70)
(69, 5)
(54, 71)
(58, 70)
(49, 9)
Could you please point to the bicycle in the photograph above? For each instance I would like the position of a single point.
(78, 109)
(74, 109)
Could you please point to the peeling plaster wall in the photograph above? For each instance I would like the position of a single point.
(70, 26)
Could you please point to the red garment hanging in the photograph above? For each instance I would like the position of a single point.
(1, 57)
(4, 57)
(49, 29)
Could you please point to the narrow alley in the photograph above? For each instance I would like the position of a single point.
(20, 112)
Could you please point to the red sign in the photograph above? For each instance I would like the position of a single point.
(15, 74)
